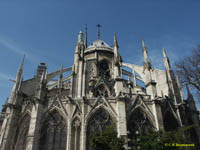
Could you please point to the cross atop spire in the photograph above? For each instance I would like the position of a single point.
(98, 26)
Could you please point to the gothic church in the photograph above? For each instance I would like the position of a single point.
(46, 114)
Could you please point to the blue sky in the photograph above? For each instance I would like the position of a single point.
(46, 30)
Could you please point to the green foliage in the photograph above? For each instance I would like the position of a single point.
(106, 140)
(164, 140)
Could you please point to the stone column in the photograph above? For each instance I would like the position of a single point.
(69, 136)
(159, 115)
(34, 128)
(9, 133)
(69, 127)
(121, 120)
(151, 90)
(83, 127)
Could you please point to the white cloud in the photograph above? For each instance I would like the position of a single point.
(176, 45)
(12, 46)
(5, 76)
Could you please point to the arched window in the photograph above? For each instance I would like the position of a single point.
(104, 70)
(53, 134)
(170, 122)
(76, 131)
(138, 124)
(98, 122)
(102, 90)
(21, 134)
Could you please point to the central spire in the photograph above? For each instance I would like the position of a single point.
(98, 26)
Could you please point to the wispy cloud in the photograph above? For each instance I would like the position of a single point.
(176, 45)
(12, 46)
(5, 76)
(16, 48)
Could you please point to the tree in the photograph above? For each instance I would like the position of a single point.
(160, 140)
(106, 140)
(188, 69)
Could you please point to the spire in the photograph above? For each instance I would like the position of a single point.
(41, 85)
(117, 58)
(80, 37)
(115, 44)
(60, 77)
(143, 45)
(98, 26)
(134, 78)
(43, 77)
(22, 63)
(144, 49)
(85, 37)
(166, 60)
(19, 73)
(164, 53)
(18, 81)
(115, 40)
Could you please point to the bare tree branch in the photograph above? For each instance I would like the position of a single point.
(188, 69)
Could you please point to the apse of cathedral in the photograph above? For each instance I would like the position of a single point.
(100, 90)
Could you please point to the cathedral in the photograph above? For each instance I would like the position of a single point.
(51, 111)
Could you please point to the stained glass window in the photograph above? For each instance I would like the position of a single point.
(100, 120)
(21, 134)
(53, 133)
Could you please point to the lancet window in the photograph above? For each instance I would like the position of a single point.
(169, 117)
(53, 134)
(138, 124)
(98, 122)
(76, 131)
(21, 134)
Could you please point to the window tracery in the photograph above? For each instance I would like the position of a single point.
(53, 133)
(76, 132)
(100, 120)
(169, 117)
(104, 70)
(138, 122)
(22, 133)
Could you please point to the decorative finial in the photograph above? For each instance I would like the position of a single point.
(80, 37)
(143, 45)
(164, 53)
(98, 26)
(86, 36)
(61, 71)
(22, 63)
(115, 40)
(166, 59)
(60, 77)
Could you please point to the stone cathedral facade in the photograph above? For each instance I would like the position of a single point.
(55, 112)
